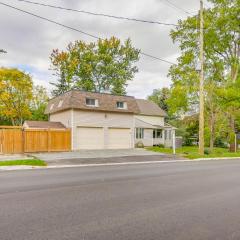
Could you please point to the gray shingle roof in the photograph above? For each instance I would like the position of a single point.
(149, 108)
(43, 124)
(77, 100)
(107, 102)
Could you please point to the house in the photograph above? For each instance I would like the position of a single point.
(106, 121)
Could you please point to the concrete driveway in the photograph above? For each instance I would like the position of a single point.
(105, 153)
(102, 156)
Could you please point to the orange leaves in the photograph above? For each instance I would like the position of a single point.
(15, 94)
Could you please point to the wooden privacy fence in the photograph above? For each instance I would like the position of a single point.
(19, 140)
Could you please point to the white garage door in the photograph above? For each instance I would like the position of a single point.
(90, 138)
(119, 138)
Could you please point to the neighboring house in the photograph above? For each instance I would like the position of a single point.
(105, 121)
(43, 125)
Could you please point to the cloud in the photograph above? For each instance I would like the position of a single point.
(29, 41)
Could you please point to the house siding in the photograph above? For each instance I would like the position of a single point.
(147, 140)
(105, 120)
(63, 117)
(154, 120)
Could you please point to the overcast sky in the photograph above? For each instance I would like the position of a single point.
(29, 41)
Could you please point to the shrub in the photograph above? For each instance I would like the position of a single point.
(207, 151)
(188, 142)
(219, 142)
(139, 144)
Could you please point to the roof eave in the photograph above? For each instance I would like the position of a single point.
(151, 115)
(90, 109)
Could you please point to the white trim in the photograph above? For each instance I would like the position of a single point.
(173, 142)
(133, 132)
(96, 103)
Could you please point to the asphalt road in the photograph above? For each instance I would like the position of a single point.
(168, 201)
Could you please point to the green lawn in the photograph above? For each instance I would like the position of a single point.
(32, 162)
(192, 152)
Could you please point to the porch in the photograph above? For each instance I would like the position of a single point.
(151, 135)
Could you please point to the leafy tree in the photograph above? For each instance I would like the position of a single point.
(221, 48)
(15, 95)
(39, 103)
(160, 96)
(106, 65)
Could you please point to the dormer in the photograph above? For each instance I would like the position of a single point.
(92, 102)
(121, 105)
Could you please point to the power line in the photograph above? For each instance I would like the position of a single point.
(49, 20)
(177, 7)
(75, 29)
(157, 58)
(99, 14)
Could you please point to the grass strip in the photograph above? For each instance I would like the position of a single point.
(28, 162)
(191, 152)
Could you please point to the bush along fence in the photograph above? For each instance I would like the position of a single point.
(14, 139)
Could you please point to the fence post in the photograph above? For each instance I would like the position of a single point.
(48, 140)
(23, 140)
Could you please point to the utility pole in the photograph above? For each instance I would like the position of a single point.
(201, 86)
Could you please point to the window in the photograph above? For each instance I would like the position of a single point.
(122, 105)
(139, 133)
(165, 134)
(91, 102)
(169, 134)
(157, 133)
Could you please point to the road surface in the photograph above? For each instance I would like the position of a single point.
(183, 201)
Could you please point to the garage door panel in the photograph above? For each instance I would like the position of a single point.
(90, 138)
(119, 138)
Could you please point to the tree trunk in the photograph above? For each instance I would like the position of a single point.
(212, 130)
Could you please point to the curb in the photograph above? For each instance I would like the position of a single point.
(22, 167)
(222, 158)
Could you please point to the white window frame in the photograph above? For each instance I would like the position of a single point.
(169, 134)
(139, 133)
(155, 131)
(92, 105)
(165, 134)
(124, 105)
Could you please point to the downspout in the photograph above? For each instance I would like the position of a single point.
(152, 137)
(133, 132)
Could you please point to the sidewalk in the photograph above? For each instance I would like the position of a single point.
(11, 157)
(91, 154)
(109, 160)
